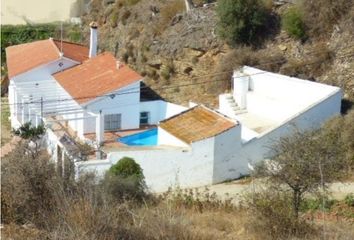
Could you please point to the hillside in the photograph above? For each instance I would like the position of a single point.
(172, 47)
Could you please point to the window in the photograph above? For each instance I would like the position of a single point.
(144, 118)
(112, 121)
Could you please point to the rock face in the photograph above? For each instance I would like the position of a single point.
(168, 50)
(180, 51)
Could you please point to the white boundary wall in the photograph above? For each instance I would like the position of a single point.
(231, 161)
(164, 167)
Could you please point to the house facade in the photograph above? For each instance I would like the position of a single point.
(193, 150)
(82, 96)
(67, 85)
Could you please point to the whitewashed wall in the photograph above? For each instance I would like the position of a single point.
(160, 110)
(165, 138)
(226, 155)
(167, 167)
(126, 102)
(45, 71)
(231, 159)
(279, 97)
(41, 75)
(225, 107)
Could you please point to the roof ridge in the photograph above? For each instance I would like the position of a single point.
(220, 114)
(79, 44)
(56, 47)
(206, 108)
(174, 116)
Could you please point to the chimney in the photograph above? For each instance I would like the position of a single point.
(240, 88)
(93, 39)
(119, 64)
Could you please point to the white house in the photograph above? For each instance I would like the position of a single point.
(201, 146)
(78, 93)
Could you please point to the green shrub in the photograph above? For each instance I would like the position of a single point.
(241, 21)
(293, 24)
(114, 19)
(349, 200)
(27, 131)
(317, 204)
(126, 167)
(125, 179)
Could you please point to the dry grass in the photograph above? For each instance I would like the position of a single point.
(317, 61)
(39, 204)
(168, 12)
(240, 57)
(5, 123)
(321, 15)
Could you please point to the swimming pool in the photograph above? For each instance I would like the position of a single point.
(146, 138)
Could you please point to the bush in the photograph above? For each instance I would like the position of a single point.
(317, 204)
(293, 24)
(272, 215)
(26, 187)
(125, 179)
(126, 167)
(241, 21)
(349, 200)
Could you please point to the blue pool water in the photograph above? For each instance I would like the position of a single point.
(146, 138)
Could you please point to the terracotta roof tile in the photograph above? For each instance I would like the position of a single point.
(73, 51)
(96, 76)
(22, 58)
(196, 124)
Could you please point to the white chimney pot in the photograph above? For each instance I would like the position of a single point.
(93, 39)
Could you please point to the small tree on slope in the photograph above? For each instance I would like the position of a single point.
(304, 163)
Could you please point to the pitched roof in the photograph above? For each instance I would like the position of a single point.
(24, 57)
(73, 51)
(94, 77)
(196, 124)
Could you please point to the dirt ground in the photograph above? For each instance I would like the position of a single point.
(234, 189)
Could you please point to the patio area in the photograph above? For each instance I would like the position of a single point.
(112, 136)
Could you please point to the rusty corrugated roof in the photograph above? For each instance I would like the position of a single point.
(196, 124)
(95, 77)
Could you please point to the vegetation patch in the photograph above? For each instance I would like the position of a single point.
(293, 24)
(5, 122)
(241, 21)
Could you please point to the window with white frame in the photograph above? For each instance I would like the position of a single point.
(144, 118)
(112, 122)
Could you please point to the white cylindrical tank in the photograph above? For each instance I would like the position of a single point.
(240, 88)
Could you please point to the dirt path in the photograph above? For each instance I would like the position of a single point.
(233, 190)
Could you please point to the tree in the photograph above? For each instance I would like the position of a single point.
(32, 135)
(305, 162)
(241, 21)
